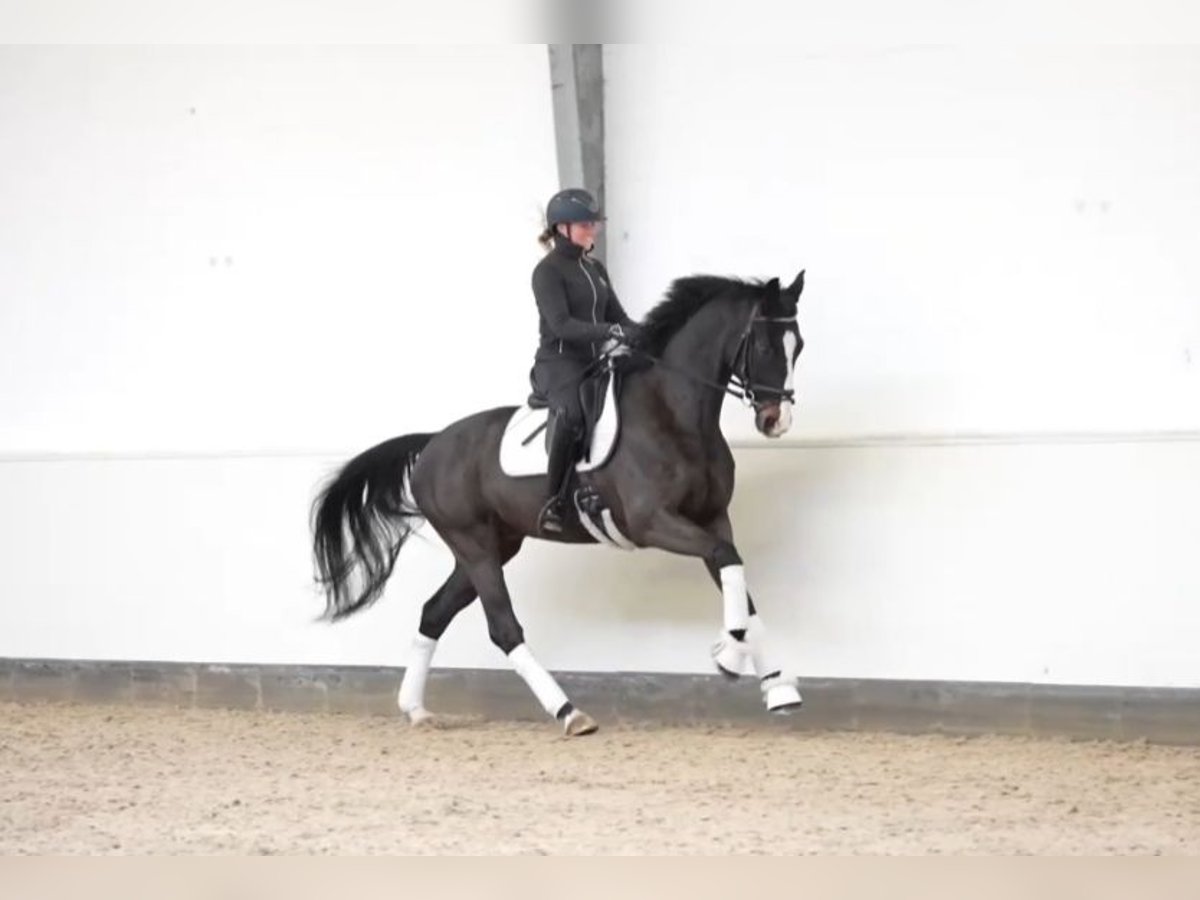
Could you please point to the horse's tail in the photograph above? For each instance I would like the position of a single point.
(360, 520)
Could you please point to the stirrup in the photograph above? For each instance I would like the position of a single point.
(588, 500)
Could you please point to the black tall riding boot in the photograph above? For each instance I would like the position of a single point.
(563, 449)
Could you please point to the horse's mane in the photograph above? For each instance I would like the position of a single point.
(684, 298)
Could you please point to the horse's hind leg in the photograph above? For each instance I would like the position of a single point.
(455, 595)
(439, 610)
(480, 551)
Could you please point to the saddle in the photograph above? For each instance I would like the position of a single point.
(523, 454)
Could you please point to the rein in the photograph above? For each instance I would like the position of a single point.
(744, 387)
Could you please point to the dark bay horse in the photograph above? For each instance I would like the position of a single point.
(668, 484)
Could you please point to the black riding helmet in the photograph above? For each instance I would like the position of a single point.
(570, 206)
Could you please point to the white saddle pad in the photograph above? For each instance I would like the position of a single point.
(522, 455)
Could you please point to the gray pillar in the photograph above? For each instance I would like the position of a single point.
(577, 87)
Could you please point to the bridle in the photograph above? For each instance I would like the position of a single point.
(744, 387)
(750, 390)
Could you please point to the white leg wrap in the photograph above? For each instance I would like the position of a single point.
(779, 690)
(416, 673)
(737, 604)
(756, 637)
(541, 682)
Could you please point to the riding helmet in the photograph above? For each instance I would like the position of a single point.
(572, 205)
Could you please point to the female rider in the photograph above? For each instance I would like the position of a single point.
(579, 313)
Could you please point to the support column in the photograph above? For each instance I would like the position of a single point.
(577, 86)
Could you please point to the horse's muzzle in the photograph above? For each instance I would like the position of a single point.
(773, 419)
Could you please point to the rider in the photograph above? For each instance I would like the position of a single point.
(579, 313)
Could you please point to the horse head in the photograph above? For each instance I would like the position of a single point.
(765, 359)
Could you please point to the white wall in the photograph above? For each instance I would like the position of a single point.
(1003, 338)
(997, 240)
(165, 416)
(1011, 563)
(263, 249)
(223, 270)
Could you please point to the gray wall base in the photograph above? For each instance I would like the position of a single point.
(1161, 715)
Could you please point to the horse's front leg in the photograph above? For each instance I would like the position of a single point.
(780, 692)
(668, 530)
(741, 639)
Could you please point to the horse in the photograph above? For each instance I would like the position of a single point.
(667, 484)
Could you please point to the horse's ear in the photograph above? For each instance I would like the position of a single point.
(769, 302)
(798, 285)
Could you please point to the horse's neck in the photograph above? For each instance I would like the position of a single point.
(699, 349)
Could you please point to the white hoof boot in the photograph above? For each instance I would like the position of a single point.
(730, 656)
(578, 723)
(781, 694)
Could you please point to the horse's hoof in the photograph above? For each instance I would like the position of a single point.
(420, 717)
(730, 655)
(782, 698)
(578, 724)
(786, 709)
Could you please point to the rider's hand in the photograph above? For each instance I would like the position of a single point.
(615, 346)
(629, 335)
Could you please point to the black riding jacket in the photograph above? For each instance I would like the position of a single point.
(576, 301)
